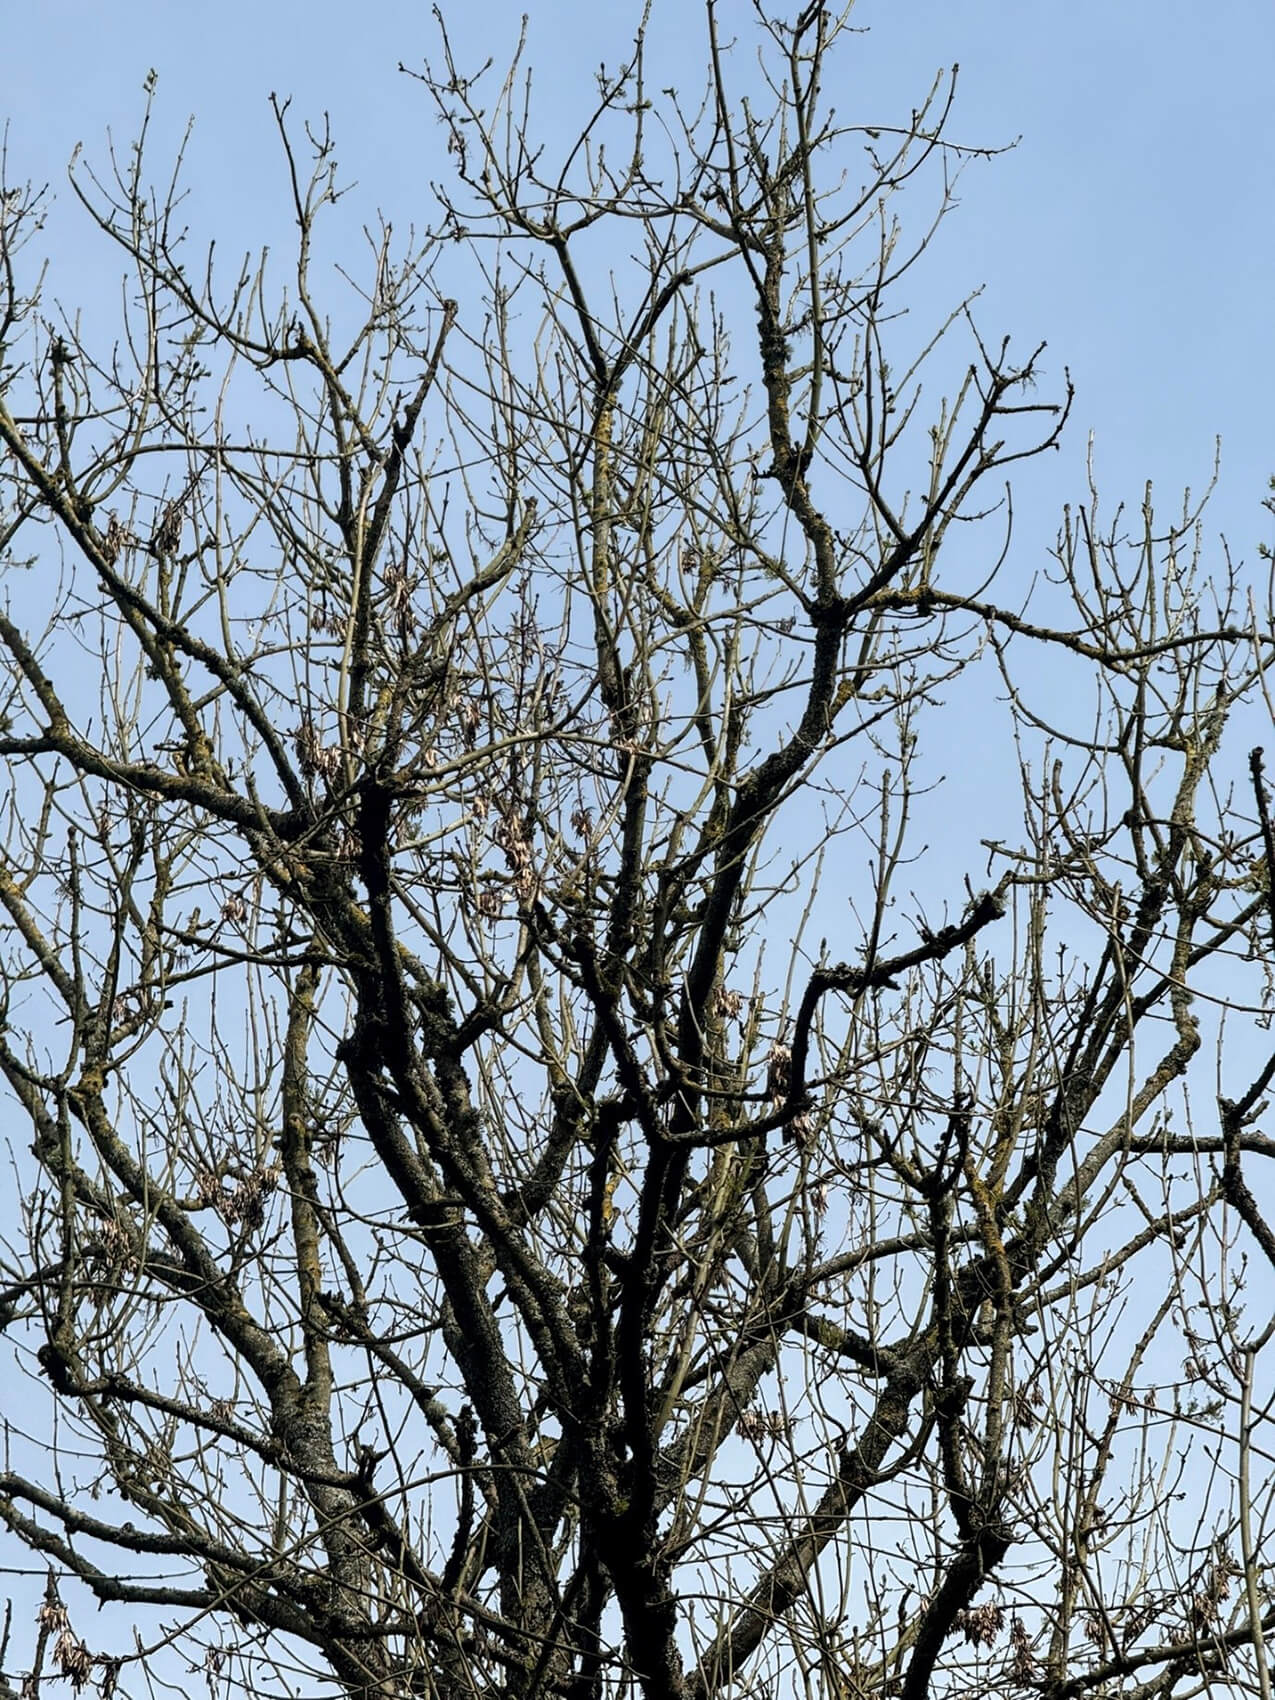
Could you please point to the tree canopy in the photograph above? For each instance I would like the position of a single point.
(553, 1162)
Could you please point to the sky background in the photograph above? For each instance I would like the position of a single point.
(1130, 228)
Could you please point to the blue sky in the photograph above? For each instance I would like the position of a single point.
(1130, 228)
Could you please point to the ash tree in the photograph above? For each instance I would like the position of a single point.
(548, 1157)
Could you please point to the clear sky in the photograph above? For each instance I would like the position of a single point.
(1131, 227)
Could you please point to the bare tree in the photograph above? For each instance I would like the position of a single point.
(474, 1235)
